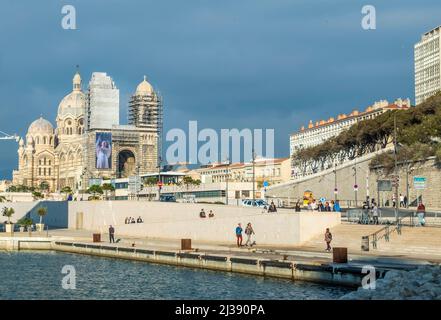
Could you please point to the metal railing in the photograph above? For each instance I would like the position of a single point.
(385, 232)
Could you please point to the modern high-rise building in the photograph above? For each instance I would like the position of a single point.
(102, 102)
(427, 65)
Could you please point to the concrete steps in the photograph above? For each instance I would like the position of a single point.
(417, 241)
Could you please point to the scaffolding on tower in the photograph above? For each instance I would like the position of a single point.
(147, 112)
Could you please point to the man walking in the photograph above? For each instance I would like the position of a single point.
(239, 235)
(328, 239)
(249, 232)
(401, 201)
(375, 214)
(112, 234)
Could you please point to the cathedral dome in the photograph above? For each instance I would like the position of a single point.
(74, 104)
(144, 88)
(40, 126)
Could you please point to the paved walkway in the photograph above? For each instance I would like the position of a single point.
(311, 252)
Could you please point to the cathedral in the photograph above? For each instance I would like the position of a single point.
(88, 142)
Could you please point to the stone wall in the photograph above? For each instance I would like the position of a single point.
(322, 184)
(181, 220)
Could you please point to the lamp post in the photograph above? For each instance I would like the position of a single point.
(226, 180)
(355, 182)
(254, 176)
(138, 182)
(159, 177)
(335, 183)
(395, 168)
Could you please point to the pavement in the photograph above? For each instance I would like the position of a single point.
(305, 254)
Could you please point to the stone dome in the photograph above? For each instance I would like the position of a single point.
(144, 88)
(41, 126)
(74, 104)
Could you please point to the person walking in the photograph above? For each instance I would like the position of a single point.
(421, 213)
(249, 232)
(112, 234)
(328, 239)
(239, 235)
(375, 214)
(401, 201)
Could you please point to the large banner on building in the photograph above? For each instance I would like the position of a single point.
(103, 143)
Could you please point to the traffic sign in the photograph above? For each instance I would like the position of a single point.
(419, 183)
(355, 187)
(265, 184)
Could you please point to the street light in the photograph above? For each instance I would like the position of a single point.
(226, 181)
(396, 168)
(159, 177)
(355, 182)
(254, 176)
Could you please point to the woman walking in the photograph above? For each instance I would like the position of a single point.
(249, 232)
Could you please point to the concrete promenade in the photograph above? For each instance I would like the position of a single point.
(296, 263)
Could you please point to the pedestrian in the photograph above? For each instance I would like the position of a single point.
(112, 234)
(202, 214)
(401, 200)
(211, 214)
(394, 200)
(332, 205)
(375, 214)
(297, 207)
(421, 213)
(337, 206)
(405, 201)
(328, 239)
(239, 235)
(249, 232)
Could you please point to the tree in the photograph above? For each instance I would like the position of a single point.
(44, 186)
(151, 181)
(108, 187)
(3, 199)
(8, 212)
(37, 195)
(66, 190)
(41, 211)
(95, 190)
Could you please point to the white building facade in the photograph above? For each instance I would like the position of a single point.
(323, 130)
(427, 65)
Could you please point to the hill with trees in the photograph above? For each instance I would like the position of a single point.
(418, 136)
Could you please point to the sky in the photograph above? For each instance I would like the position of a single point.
(266, 64)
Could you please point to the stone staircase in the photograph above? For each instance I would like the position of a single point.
(416, 242)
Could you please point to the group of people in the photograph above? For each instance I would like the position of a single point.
(403, 201)
(272, 207)
(130, 220)
(321, 206)
(249, 232)
(202, 214)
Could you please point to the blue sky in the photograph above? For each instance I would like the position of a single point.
(228, 64)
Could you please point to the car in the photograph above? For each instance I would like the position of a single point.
(258, 203)
(167, 198)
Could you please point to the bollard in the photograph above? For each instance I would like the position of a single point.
(365, 243)
(97, 237)
(185, 244)
(340, 255)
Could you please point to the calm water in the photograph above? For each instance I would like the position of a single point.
(31, 275)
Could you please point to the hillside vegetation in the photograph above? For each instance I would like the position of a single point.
(418, 135)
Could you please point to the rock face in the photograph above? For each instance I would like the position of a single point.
(423, 283)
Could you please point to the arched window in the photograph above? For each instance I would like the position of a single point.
(44, 140)
(37, 140)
